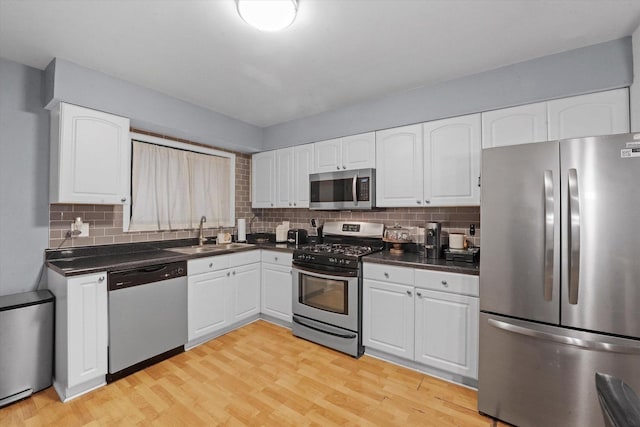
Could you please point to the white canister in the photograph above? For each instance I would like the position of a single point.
(456, 241)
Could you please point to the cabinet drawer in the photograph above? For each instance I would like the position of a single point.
(275, 257)
(388, 273)
(447, 282)
(244, 258)
(204, 265)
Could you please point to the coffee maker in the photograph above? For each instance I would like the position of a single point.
(433, 240)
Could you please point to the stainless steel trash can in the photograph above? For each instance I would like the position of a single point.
(26, 344)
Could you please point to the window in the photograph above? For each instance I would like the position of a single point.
(174, 184)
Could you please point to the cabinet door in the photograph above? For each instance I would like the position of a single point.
(327, 156)
(93, 152)
(263, 179)
(513, 126)
(452, 161)
(276, 291)
(302, 167)
(245, 282)
(387, 318)
(359, 151)
(399, 164)
(87, 328)
(208, 303)
(602, 113)
(284, 178)
(446, 332)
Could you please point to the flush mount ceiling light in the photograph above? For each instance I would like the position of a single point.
(268, 15)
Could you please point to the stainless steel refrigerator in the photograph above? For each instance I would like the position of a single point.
(559, 277)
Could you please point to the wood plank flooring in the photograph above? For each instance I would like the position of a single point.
(260, 375)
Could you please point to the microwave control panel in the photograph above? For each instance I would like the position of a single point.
(363, 189)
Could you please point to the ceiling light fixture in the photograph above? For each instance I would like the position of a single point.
(268, 15)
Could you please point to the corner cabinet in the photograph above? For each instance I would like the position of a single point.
(90, 156)
(81, 332)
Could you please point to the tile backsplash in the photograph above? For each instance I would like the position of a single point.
(105, 221)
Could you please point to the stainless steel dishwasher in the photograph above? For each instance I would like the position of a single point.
(147, 316)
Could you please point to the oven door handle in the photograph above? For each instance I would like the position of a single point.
(335, 334)
(322, 274)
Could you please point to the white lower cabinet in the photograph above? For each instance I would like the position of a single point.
(276, 292)
(222, 290)
(81, 334)
(387, 322)
(446, 331)
(403, 316)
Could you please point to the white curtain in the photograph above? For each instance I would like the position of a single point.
(172, 189)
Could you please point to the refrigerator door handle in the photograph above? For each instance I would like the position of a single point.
(561, 339)
(549, 222)
(574, 237)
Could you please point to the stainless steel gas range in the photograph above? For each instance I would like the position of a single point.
(327, 285)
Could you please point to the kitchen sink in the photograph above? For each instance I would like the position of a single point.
(196, 249)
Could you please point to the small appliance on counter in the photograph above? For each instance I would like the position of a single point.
(433, 240)
(297, 236)
(281, 232)
(462, 255)
(397, 236)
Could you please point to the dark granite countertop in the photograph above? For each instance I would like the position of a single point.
(418, 260)
(93, 259)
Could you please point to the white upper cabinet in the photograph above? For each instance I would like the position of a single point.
(517, 125)
(452, 161)
(350, 152)
(399, 165)
(601, 113)
(359, 151)
(284, 178)
(302, 167)
(263, 180)
(326, 155)
(90, 156)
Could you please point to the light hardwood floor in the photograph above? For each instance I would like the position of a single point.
(260, 375)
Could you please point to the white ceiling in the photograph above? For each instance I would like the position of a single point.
(337, 52)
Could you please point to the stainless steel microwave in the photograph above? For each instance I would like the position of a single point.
(343, 190)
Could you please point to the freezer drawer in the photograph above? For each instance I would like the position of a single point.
(534, 375)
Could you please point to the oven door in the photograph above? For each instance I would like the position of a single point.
(326, 297)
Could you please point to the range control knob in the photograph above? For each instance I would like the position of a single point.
(180, 270)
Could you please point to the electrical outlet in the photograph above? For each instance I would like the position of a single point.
(84, 230)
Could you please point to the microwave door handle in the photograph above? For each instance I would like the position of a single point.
(354, 189)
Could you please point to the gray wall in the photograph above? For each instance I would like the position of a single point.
(589, 69)
(635, 87)
(147, 109)
(24, 177)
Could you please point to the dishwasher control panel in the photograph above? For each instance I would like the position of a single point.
(148, 274)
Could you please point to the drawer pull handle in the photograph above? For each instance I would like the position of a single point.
(234, 272)
(101, 279)
(445, 284)
(276, 258)
(210, 265)
(409, 293)
(386, 275)
(419, 294)
(228, 274)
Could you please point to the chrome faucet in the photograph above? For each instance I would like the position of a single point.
(201, 238)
